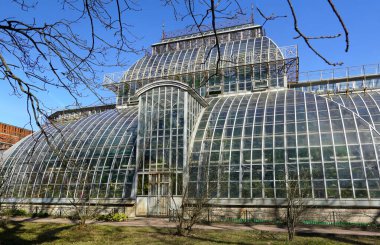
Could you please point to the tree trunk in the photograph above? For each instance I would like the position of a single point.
(291, 230)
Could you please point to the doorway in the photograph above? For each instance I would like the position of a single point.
(158, 195)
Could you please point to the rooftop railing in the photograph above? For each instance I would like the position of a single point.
(348, 79)
(222, 26)
(112, 78)
(336, 74)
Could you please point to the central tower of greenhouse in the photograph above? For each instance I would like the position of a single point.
(173, 88)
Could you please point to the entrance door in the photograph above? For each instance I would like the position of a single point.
(158, 195)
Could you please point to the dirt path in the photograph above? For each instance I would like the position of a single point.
(163, 223)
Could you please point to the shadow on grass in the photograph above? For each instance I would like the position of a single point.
(11, 234)
(197, 239)
(194, 237)
(336, 238)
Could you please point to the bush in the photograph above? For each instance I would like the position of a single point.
(116, 217)
(14, 212)
(73, 217)
(40, 215)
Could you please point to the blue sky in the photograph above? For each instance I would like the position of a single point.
(361, 17)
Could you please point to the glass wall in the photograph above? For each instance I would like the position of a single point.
(367, 105)
(94, 157)
(166, 118)
(252, 144)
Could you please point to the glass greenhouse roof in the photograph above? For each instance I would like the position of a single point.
(98, 149)
(238, 53)
(251, 144)
(367, 105)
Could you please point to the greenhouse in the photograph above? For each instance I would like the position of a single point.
(239, 128)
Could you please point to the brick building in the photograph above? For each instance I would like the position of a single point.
(10, 135)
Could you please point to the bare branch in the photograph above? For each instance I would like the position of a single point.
(271, 17)
(54, 55)
(307, 39)
(341, 23)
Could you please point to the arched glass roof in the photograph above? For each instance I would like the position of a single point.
(367, 105)
(94, 154)
(243, 52)
(252, 144)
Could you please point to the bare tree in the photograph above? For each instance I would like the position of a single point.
(78, 181)
(296, 203)
(206, 14)
(36, 56)
(193, 205)
(271, 17)
(307, 39)
(4, 181)
(190, 212)
(85, 208)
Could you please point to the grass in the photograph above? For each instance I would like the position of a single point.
(38, 233)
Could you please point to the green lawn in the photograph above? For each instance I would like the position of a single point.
(35, 233)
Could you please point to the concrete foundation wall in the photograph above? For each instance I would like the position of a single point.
(220, 213)
(331, 215)
(69, 210)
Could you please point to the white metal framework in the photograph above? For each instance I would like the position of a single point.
(252, 142)
(176, 119)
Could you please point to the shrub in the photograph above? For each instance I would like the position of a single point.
(73, 217)
(40, 215)
(15, 212)
(116, 217)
